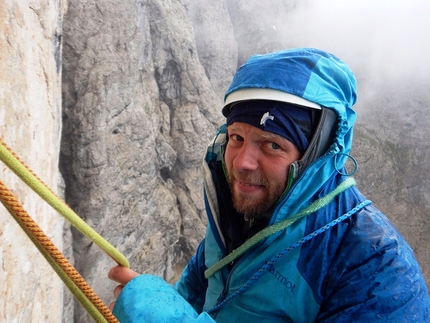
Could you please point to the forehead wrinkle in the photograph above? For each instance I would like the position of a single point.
(263, 133)
(270, 135)
(232, 127)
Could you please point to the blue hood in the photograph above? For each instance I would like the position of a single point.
(315, 76)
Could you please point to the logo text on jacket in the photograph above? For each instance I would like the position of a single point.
(283, 280)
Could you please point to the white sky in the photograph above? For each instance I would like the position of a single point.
(385, 38)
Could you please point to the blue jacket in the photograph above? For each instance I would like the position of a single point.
(344, 262)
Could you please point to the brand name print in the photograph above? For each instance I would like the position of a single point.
(283, 280)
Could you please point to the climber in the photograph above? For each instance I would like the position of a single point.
(289, 238)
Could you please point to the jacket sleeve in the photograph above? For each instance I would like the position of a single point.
(148, 298)
(192, 284)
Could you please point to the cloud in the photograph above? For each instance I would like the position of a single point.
(383, 39)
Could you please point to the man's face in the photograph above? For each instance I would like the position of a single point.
(257, 164)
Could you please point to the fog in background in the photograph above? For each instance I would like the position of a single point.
(384, 41)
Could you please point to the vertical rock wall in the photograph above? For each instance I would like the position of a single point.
(138, 112)
(30, 123)
(142, 87)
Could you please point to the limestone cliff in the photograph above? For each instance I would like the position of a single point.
(143, 83)
(140, 91)
(30, 123)
(138, 112)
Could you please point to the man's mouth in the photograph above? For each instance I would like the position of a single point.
(248, 184)
(247, 187)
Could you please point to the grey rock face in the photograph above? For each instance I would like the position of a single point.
(30, 124)
(138, 112)
(392, 149)
(215, 41)
(254, 25)
(142, 88)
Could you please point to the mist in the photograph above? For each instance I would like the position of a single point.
(386, 38)
(384, 42)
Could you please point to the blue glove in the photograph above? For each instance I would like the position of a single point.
(148, 298)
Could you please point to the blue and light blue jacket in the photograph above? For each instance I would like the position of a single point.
(344, 262)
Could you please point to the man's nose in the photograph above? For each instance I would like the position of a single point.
(247, 158)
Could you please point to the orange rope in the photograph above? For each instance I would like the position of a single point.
(28, 177)
(70, 276)
(25, 165)
(36, 233)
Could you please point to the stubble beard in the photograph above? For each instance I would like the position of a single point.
(251, 207)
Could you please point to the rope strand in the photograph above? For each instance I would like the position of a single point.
(69, 275)
(316, 205)
(76, 283)
(38, 186)
(270, 263)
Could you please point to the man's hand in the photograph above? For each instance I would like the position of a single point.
(121, 275)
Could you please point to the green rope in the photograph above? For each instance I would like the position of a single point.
(311, 208)
(45, 193)
(77, 293)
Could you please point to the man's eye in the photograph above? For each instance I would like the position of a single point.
(236, 138)
(274, 145)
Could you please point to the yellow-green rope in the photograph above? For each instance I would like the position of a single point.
(68, 274)
(23, 172)
(316, 205)
(73, 280)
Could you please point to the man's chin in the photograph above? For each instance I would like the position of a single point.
(249, 209)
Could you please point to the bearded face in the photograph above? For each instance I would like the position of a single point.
(257, 164)
(245, 198)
